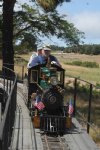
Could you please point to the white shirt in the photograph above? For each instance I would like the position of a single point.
(31, 58)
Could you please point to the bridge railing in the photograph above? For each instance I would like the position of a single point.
(86, 100)
(20, 70)
(8, 115)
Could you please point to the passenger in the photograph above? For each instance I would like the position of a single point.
(34, 59)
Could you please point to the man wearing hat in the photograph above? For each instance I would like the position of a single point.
(46, 53)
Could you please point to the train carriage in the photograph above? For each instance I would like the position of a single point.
(46, 97)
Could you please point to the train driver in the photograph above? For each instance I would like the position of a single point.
(46, 52)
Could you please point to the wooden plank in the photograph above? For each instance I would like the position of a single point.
(78, 139)
(23, 136)
(38, 139)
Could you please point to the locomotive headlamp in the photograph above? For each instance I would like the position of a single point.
(54, 81)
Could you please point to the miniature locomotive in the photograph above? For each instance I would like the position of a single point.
(46, 97)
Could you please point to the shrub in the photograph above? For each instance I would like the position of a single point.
(84, 64)
(90, 64)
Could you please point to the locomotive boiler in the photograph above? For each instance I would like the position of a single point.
(46, 97)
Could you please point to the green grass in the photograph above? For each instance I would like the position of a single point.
(91, 74)
(83, 64)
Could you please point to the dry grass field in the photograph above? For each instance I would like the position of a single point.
(89, 74)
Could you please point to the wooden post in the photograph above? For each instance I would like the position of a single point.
(75, 92)
(22, 73)
(89, 109)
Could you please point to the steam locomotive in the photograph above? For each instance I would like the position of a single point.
(46, 98)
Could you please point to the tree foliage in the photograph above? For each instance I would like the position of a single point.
(93, 49)
(0, 35)
(50, 5)
(39, 24)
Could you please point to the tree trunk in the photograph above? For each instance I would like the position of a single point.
(7, 34)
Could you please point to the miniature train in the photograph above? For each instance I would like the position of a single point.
(46, 98)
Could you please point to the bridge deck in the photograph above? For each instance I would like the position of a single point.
(78, 139)
(24, 134)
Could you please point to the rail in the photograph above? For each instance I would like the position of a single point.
(75, 87)
(8, 116)
(54, 142)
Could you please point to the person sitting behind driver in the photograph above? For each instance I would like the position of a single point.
(34, 60)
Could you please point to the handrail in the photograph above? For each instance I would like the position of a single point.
(7, 122)
(89, 98)
(85, 121)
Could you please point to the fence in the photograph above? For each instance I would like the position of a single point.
(86, 101)
(8, 115)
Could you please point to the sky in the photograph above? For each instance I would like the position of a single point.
(85, 15)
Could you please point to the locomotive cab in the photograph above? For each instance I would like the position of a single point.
(46, 97)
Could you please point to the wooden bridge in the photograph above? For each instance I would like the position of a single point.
(18, 133)
(26, 137)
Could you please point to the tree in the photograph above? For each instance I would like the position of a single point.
(50, 5)
(0, 43)
(7, 34)
(0, 37)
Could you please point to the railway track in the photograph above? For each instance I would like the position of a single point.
(50, 142)
(77, 139)
(55, 142)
